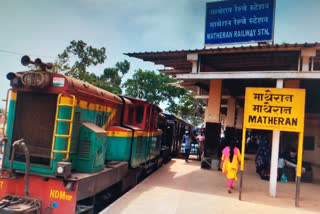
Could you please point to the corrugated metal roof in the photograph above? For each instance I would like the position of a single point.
(243, 58)
(266, 47)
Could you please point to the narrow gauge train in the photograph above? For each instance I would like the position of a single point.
(173, 129)
(67, 142)
(174, 132)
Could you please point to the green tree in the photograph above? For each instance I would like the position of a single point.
(82, 57)
(75, 60)
(157, 88)
(154, 88)
(111, 78)
(189, 109)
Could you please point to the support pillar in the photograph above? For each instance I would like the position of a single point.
(214, 102)
(231, 112)
(305, 63)
(213, 126)
(274, 163)
(193, 58)
(306, 55)
(275, 156)
(239, 120)
(239, 124)
(230, 119)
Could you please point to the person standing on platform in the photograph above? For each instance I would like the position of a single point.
(263, 159)
(201, 139)
(187, 145)
(230, 161)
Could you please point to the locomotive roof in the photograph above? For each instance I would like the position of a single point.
(173, 117)
(84, 87)
(139, 101)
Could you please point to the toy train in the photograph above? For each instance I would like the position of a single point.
(68, 143)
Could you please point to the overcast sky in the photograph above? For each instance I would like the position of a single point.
(45, 27)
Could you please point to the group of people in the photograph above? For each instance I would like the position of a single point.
(231, 157)
(188, 140)
(288, 159)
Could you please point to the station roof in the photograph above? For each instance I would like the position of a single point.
(243, 58)
(240, 67)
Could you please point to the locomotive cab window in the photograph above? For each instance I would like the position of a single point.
(139, 114)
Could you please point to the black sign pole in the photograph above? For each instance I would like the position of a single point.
(244, 129)
(298, 181)
(241, 180)
(299, 168)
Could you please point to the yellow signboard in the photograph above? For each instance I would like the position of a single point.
(274, 109)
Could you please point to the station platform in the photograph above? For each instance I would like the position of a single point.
(183, 188)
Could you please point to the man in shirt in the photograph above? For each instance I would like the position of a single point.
(187, 145)
(290, 159)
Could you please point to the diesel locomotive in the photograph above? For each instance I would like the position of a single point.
(70, 146)
(67, 141)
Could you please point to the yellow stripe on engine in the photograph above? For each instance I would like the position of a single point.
(92, 106)
(119, 134)
(83, 104)
(66, 101)
(136, 134)
(14, 96)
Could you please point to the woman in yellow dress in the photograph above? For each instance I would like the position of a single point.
(230, 161)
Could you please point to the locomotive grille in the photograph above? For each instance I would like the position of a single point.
(75, 133)
(34, 121)
(139, 146)
(85, 149)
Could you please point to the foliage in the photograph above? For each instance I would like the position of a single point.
(157, 88)
(110, 80)
(189, 109)
(82, 57)
(154, 88)
(77, 58)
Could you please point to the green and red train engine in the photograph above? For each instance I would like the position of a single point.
(67, 141)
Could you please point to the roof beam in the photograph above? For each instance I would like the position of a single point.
(251, 75)
(173, 71)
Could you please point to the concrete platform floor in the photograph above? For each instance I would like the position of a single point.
(182, 188)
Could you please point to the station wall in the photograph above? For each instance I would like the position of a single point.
(312, 139)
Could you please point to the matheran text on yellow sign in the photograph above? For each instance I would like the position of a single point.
(275, 109)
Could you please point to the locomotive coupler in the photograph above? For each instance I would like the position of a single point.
(20, 205)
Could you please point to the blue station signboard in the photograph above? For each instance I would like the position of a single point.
(239, 21)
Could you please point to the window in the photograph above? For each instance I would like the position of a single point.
(139, 114)
(148, 117)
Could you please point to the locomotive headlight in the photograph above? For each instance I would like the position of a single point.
(60, 169)
(35, 79)
(32, 79)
